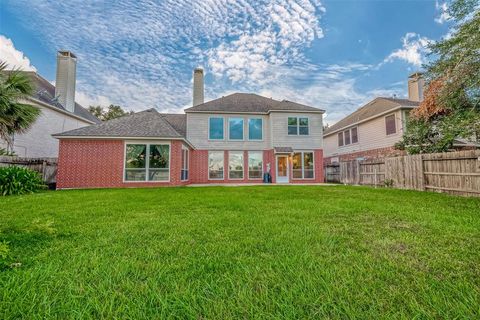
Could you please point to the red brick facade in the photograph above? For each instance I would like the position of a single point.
(100, 164)
(367, 154)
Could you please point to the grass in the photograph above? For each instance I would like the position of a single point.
(245, 252)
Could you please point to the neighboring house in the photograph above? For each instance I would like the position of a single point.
(59, 112)
(374, 129)
(233, 139)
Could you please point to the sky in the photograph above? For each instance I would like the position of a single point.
(330, 54)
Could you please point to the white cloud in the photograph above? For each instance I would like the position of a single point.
(442, 12)
(413, 50)
(14, 57)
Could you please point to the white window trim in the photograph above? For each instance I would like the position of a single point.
(248, 129)
(208, 132)
(243, 165)
(303, 165)
(243, 129)
(147, 161)
(208, 166)
(395, 118)
(248, 165)
(298, 126)
(188, 163)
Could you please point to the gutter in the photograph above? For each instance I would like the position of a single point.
(60, 136)
(264, 113)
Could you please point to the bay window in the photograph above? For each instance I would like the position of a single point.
(235, 165)
(215, 128)
(215, 165)
(184, 172)
(255, 129)
(255, 165)
(140, 167)
(235, 128)
(303, 165)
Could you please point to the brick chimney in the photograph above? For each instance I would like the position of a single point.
(415, 86)
(198, 86)
(65, 80)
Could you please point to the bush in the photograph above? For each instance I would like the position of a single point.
(18, 180)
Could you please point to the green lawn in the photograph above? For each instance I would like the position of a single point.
(241, 252)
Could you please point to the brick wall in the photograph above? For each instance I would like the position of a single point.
(367, 154)
(99, 164)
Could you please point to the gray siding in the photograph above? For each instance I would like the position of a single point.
(279, 131)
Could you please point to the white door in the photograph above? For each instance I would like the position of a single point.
(282, 169)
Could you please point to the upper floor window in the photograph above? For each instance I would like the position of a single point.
(298, 126)
(215, 128)
(390, 124)
(255, 129)
(235, 128)
(347, 137)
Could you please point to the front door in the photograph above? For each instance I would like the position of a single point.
(282, 169)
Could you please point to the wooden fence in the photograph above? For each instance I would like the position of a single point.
(452, 172)
(47, 167)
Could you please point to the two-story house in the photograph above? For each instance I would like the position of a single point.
(373, 130)
(233, 139)
(58, 111)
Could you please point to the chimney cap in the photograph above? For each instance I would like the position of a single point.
(416, 74)
(66, 53)
(198, 69)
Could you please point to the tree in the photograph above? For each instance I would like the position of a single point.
(15, 116)
(112, 112)
(451, 108)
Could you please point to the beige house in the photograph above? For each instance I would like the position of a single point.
(372, 130)
(59, 111)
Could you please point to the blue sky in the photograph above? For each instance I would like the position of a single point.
(334, 55)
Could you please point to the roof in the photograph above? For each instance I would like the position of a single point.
(177, 121)
(251, 103)
(45, 92)
(283, 149)
(375, 107)
(144, 124)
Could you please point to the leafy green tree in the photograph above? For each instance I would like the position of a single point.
(451, 108)
(111, 112)
(15, 116)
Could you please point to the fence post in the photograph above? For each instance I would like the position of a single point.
(422, 174)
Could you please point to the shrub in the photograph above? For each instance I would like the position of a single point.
(18, 180)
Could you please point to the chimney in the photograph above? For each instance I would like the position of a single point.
(66, 78)
(415, 87)
(197, 86)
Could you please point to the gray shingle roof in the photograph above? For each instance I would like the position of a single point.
(249, 102)
(375, 107)
(45, 92)
(177, 121)
(148, 123)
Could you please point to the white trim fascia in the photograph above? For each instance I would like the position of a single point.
(368, 119)
(65, 112)
(59, 136)
(257, 112)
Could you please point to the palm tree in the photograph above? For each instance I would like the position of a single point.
(15, 116)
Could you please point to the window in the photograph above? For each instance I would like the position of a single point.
(292, 126)
(354, 134)
(303, 126)
(255, 129)
(346, 137)
(255, 165)
(215, 129)
(137, 164)
(184, 172)
(390, 124)
(303, 167)
(215, 165)
(235, 165)
(235, 128)
(298, 126)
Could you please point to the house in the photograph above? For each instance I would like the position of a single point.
(233, 139)
(59, 112)
(374, 129)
